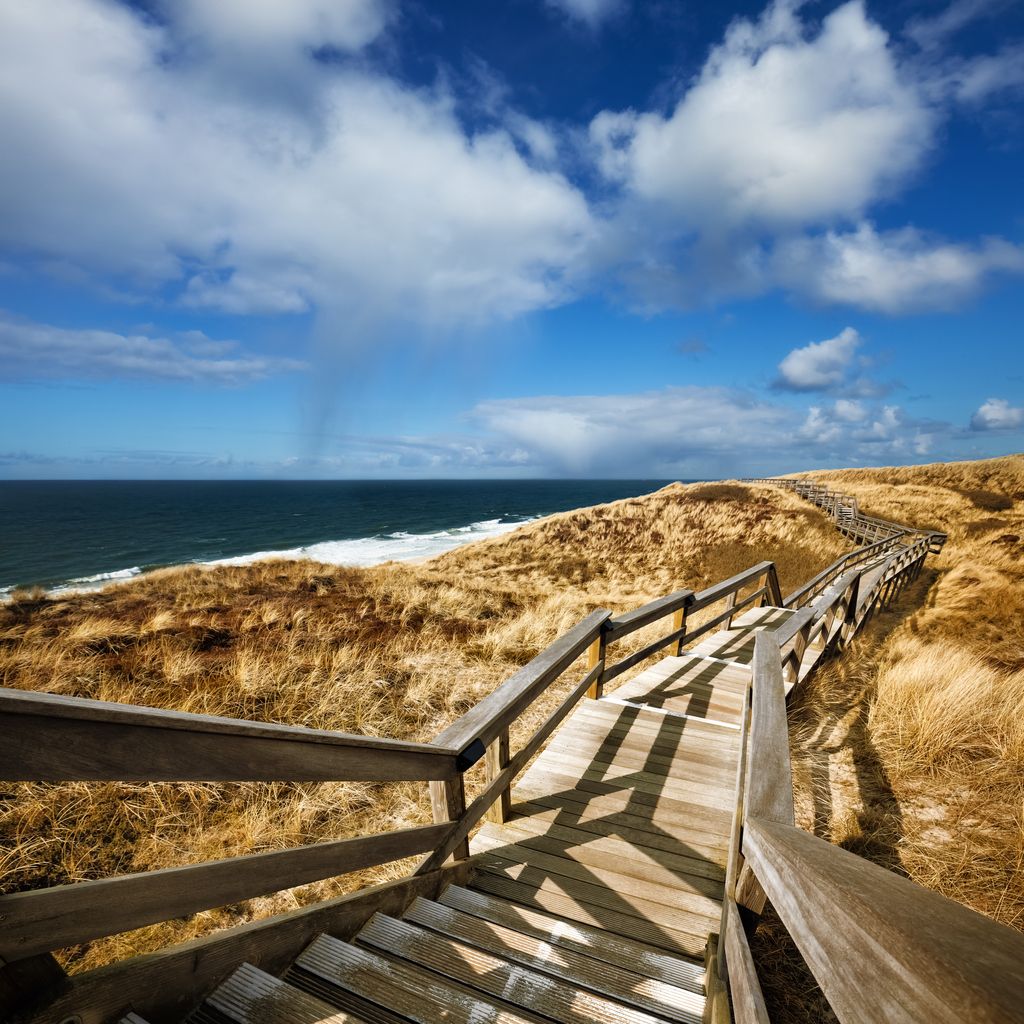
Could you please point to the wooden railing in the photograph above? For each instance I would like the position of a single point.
(58, 739)
(882, 948)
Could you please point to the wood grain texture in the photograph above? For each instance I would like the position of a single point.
(884, 950)
(47, 919)
(164, 986)
(49, 738)
(748, 1004)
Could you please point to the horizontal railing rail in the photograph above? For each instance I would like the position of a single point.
(53, 738)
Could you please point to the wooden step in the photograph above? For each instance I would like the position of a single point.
(595, 905)
(495, 975)
(683, 890)
(607, 947)
(344, 975)
(629, 851)
(250, 996)
(648, 994)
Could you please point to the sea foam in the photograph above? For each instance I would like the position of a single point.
(358, 552)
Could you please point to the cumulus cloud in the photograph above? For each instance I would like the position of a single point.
(997, 414)
(787, 137)
(133, 152)
(898, 271)
(591, 13)
(820, 365)
(781, 127)
(41, 350)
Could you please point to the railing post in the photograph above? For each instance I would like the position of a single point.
(448, 802)
(730, 602)
(496, 760)
(595, 655)
(678, 622)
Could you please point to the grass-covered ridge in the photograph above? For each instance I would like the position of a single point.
(397, 650)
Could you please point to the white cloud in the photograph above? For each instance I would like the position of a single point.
(655, 432)
(891, 272)
(591, 12)
(820, 365)
(132, 151)
(38, 350)
(780, 128)
(997, 414)
(849, 410)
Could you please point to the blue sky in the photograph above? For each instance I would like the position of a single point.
(376, 238)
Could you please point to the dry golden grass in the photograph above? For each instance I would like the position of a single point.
(396, 650)
(909, 750)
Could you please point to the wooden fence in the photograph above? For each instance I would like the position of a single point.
(943, 954)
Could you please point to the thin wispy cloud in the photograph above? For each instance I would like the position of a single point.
(34, 350)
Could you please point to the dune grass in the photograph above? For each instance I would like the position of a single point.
(909, 750)
(397, 650)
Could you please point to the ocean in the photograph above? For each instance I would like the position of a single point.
(77, 534)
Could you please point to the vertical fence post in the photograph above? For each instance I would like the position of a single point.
(448, 802)
(496, 759)
(595, 655)
(678, 622)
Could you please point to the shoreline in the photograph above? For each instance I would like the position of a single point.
(319, 552)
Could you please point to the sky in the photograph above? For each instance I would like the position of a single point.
(523, 238)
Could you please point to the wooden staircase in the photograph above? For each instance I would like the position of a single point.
(594, 901)
(468, 957)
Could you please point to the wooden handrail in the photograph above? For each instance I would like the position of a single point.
(51, 738)
(883, 949)
(43, 919)
(623, 625)
(482, 723)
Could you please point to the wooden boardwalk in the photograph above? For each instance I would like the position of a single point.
(594, 901)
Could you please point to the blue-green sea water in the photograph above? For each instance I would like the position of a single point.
(62, 533)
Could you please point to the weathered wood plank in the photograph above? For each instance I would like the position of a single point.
(164, 986)
(64, 915)
(862, 929)
(747, 999)
(623, 625)
(50, 738)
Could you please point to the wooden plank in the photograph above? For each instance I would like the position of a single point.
(640, 782)
(625, 844)
(570, 785)
(565, 905)
(606, 947)
(707, 847)
(623, 625)
(496, 760)
(502, 707)
(412, 993)
(687, 912)
(49, 738)
(448, 804)
(164, 986)
(497, 976)
(251, 995)
(64, 915)
(863, 929)
(769, 782)
(610, 979)
(748, 1004)
(589, 862)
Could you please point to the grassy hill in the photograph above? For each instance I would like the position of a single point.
(908, 750)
